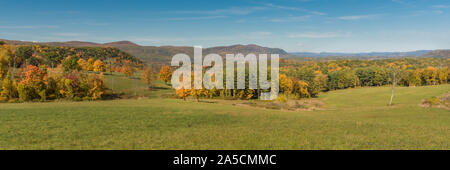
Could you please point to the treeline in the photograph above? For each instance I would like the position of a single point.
(329, 75)
(305, 79)
(165, 75)
(35, 84)
(36, 55)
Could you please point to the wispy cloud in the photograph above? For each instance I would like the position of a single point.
(187, 40)
(228, 11)
(399, 1)
(358, 17)
(291, 19)
(273, 6)
(438, 12)
(319, 35)
(406, 3)
(241, 21)
(426, 12)
(69, 12)
(260, 33)
(440, 6)
(97, 23)
(30, 27)
(69, 34)
(193, 18)
(248, 10)
(156, 40)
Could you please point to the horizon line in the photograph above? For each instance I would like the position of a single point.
(289, 52)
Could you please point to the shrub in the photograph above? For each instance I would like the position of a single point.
(24, 92)
(282, 98)
(96, 86)
(8, 88)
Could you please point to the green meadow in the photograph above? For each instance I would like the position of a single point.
(350, 119)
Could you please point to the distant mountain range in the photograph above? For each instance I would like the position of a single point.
(439, 53)
(164, 54)
(378, 54)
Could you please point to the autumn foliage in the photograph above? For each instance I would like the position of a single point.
(36, 85)
(165, 74)
(148, 76)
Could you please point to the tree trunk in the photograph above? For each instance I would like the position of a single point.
(135, 88)
(393, 87)
(112, 84)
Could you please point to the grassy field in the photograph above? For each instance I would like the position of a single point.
(351, 119)
(134, 86)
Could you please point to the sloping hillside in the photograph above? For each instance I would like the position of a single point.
(371, 54)
(162, 54)
(439, 53)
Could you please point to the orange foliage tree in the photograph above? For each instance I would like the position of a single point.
(99, 66)
(165, 74)
(148, 75)
(82, 64)
(183, 93)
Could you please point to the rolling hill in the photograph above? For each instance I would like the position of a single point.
(439, 53)
(371, 54)
(162, 54)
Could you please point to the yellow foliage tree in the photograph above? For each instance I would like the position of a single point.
(165, 74)
(183, 93)
(286, 84)
(443, 75)
(98, 86)
(148, 75)
(90, 64)
(82, 64)
(127, 68)
(197, 93)
(99, 66)
(5, 55)
(301, 88)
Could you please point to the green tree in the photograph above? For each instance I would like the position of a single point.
(5, 56)
(70, 63)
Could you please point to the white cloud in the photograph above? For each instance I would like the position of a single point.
(273, 6)
(248, 10)
(261, 33)
(193, 18)
(241, 21)
(291, 19)
(171, 40)
(358, 17)
(228, 11)
(319, 35)
(438, 12)
(69, 34)
(399, 1)
(440, 6)
(156, 40)
(30, 27)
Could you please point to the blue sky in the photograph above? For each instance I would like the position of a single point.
(294, 25)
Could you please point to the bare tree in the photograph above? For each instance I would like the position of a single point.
(394, 81)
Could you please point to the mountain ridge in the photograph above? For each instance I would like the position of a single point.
(161, 54)
(364, 54)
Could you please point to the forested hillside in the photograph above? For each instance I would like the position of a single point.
(41, 73)
(159, 55)
(439, 53)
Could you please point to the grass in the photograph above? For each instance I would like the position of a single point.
(353, 119)
(128, 87)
